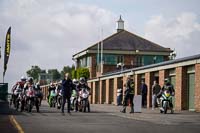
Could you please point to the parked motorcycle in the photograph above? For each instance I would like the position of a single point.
(166, 102)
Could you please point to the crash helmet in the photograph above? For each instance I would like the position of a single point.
(82, 80)
(51, 84)
(75, 81)
(166, 80)
(23, 78)
(30, 79)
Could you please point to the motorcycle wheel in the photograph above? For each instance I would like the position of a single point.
(17, 104)
(84, 105)
(37, 105)
(50, 102)
(172, 111)
(29, 106)
(165, 108)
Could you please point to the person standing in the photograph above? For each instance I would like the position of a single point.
(155, 91)
(129, 95)
(67, 86)
(119, 96)
(144, 93)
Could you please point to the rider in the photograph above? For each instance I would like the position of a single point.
(39, 90)
(51, 87)
(83, 88)
(29, 84)
(17, 88)
(167, 86)
(59, 93)
(75, 94)
(19, 84)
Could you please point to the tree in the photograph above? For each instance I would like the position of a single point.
(34, 72)
(83, 72)
(55, 74)
(74, 74)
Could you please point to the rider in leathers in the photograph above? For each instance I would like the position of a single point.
(167, 86)
(82, 86)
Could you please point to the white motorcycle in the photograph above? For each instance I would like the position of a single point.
(83, 100)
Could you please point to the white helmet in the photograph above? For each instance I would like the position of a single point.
(75, 81)
(82, 80)
(23, 78)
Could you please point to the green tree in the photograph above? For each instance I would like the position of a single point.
(74, 74)
(55, 74)
(34, 72)
(83, 72)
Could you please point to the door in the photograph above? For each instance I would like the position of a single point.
(173, 82)
(191, 87)
(111, 91)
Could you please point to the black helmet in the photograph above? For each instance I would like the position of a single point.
(167, 80)
(30, 79)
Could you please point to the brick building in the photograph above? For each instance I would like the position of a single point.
(143, 60)
(123, 49)
(184, 74)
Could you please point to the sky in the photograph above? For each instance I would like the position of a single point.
(48, 32)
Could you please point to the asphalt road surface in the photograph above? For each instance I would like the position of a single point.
(103, 119)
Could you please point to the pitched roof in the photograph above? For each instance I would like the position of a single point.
(126, 41)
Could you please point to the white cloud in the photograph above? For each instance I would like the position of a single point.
(47, 33)
(181, 32)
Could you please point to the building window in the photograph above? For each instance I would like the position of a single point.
(85, 62)
(88, 61)
(120, 59)
(109, 59)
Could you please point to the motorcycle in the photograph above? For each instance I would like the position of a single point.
(31, 100)
(59, 99)
(166, 102)
(39, 95)
(52, 99)
(17, 97)
(83, 100)
(19, 101)
(74, 100)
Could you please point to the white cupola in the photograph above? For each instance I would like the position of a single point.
(120, 24)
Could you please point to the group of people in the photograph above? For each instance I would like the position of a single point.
(75, 92)
(156, 89)
(25, 90)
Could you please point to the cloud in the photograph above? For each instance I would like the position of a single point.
(47, 33)
(180, 33)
